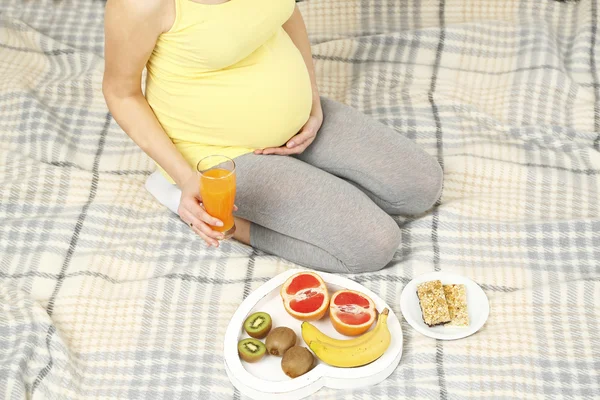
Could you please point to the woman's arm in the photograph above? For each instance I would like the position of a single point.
(296, 30)
(131, 30)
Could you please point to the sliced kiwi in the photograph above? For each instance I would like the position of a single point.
(258, 325)
(251, 350)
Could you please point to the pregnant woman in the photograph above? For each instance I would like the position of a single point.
(317, 181)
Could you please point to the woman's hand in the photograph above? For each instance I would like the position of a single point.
(298, 143)
(193, 213)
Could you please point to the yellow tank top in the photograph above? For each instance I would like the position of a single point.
(227, 79)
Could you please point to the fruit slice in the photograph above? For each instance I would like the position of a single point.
(305, 296)
(251, 350)
(258, 325)
(352, 313)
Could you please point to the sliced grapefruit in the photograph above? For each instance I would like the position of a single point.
(305, 296)
(352, 313)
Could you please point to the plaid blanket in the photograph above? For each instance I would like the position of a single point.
(105, 294)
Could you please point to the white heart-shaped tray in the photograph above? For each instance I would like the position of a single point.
(265, 380)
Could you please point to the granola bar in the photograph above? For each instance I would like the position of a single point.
(433, 303)
(456, 297)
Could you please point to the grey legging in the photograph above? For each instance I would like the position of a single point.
(329, 207)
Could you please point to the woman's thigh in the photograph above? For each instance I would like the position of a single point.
(391, 169)
(300, 201)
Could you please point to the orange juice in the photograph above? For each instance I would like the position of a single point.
(217, 188)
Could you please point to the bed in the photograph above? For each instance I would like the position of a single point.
(106, 294)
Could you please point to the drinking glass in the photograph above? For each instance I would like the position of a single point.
(217, 188)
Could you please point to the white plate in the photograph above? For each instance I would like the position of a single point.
(477, 303)
(265, 380)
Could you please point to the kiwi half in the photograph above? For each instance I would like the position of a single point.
(258, 325)
(251, 350)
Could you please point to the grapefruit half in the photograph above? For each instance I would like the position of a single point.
(305, 296)
(352, 313)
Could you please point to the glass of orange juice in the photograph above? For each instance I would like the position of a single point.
(217, 188)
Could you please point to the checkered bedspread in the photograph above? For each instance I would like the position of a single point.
(105, 294)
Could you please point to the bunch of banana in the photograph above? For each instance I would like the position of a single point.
(349, 353)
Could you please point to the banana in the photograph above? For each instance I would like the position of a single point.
(360, 352)
(311, 333)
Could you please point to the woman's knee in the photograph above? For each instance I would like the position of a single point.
(420, 194)
(427, 191)
(379, 243)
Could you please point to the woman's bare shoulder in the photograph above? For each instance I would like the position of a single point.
(161, 12)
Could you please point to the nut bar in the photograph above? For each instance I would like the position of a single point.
(433, 303)
(456, 297)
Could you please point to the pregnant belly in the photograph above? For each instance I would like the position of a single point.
(260, 102)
